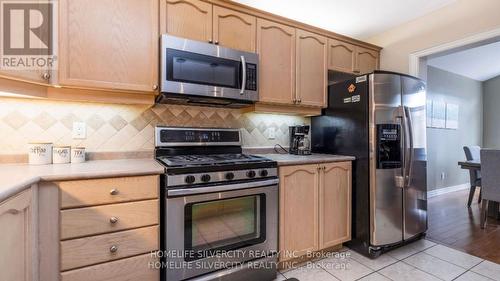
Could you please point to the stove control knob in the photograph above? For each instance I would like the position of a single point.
(205, 178)
(251, 174)
(189, 179)
(229, 176)
(263, 173)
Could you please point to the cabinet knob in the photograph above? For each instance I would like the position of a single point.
(216, 42)
(155, 87)
(114, 191)
(210, 41)
(113, 220)
(46, 76)
(299, 100)
(294, 101)
(113, 249)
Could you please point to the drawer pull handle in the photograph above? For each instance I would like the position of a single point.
(114, 191)
(113, 220)
(113, 249)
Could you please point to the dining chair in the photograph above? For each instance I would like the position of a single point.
(473, 153)
(490, 165)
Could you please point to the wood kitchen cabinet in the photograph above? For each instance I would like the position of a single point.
(17, 248)
(311, 63)
(341, 56)
(276, 48)
(298, 210)
(366, 60)
(315, 207)
(187, 18)
(334, 204)
(108, 44)
(202, 21)
(234, 29)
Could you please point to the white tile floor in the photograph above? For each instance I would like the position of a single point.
(421, 260)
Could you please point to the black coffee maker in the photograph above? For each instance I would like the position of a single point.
(299, 140)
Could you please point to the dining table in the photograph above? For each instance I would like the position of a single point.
(475, 165)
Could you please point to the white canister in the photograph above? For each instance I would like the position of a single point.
(40, 153)
(77, 154)
(61, 154)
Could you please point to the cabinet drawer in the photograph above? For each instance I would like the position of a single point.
(108, 218)
(104, 191)
(107, 247)
(130, 269)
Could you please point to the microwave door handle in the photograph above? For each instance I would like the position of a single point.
(243, 74)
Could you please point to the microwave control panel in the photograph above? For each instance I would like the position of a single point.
(251, 77)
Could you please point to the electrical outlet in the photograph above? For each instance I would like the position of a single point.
(271, 133)
(79, 130)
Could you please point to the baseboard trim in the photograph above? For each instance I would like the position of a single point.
(444, 190)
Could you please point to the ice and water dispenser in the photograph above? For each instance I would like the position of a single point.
(388, 146)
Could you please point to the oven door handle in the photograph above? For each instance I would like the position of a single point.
(220, 188)
(243, 75)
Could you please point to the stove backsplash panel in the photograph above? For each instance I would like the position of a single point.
(113, 127)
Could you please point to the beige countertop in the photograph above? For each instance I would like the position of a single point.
(17, 177)
(289, 159)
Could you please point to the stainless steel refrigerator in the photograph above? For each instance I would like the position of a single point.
(380, 119)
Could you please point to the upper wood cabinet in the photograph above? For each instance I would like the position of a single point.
(334, 204)
(109, 44)
(298, 210)
(233, 29)
(187, 18)
(311, 69)
(366, 60)
(276, 49)
(17, 247)
(202, 21)
(341, 56)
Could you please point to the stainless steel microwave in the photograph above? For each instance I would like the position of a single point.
(206, 74)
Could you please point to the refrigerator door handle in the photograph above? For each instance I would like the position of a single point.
(409, 157)
(401, 119)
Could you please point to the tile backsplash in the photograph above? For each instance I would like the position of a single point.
(123, 128)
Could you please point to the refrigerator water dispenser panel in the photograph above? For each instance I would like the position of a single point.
(388, 146)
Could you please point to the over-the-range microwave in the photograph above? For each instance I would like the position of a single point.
(195, 72)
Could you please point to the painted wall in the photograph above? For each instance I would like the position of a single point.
(458, 20)
(445, 147)
(491, 113)
(125, 128)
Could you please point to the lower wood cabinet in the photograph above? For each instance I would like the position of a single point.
(315, 208)
(17, 255)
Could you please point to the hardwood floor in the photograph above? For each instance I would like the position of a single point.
(453, 224)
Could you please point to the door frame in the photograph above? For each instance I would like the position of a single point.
(418, 60)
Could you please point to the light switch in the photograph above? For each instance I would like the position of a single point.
(79, 130)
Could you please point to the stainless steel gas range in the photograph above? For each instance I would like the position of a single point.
(219, 207)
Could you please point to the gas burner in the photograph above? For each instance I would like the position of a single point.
(211, 159)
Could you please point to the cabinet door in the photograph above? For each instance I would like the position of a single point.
(38, 72)
(187, 18)
(16, 239)
(276, 49)
(334, 204)
(341, 56)
(234, 29)
(109, 44)
(311, 69)
(298, 210)
(366, 60)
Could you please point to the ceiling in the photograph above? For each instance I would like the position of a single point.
(479, 63)
(360, 19)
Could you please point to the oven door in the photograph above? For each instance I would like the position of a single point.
(209, 232)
